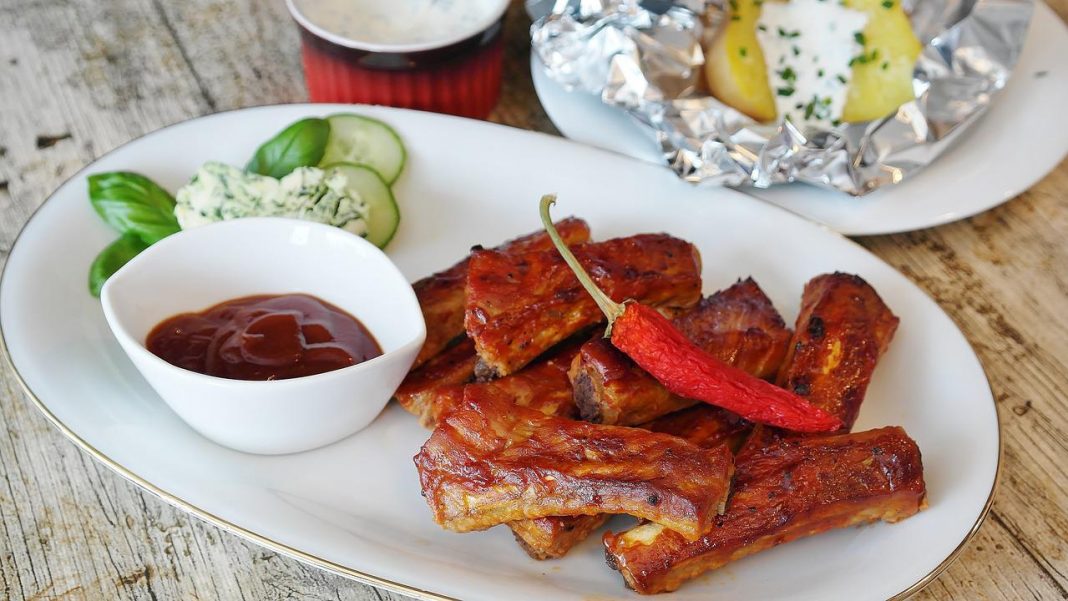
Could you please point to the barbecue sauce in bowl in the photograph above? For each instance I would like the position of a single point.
(264, 337)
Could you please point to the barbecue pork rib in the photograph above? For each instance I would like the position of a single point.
(491, 462)
(703, 425)
(738, 325)
(552, 537)
(441, 295)
(542, 386)
(424, 391)
(842, 331)
(519, 305)
(794, 488)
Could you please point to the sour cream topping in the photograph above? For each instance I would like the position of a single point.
(398, 21)
(809, 47)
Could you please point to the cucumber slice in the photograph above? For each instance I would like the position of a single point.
(384, 215)
(366, 141)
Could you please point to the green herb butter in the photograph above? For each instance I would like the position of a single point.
(219, 192)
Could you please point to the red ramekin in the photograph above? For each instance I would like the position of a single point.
(459, 75)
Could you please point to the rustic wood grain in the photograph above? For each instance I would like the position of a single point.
(80, 77)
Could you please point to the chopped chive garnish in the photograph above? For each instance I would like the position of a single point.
(885, 65)
(743, 51)
(819, 73)
(864, 59)
(785, 91)
(888, 4)
(859, 37)
(841, 78)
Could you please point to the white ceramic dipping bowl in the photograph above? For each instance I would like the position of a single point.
(198, 268)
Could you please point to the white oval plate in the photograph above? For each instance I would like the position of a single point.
(1018, 141)
(354, 507)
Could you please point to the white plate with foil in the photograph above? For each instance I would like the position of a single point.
(1019, 140)
(354, 507)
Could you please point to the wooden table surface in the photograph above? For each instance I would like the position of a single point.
(80, 77)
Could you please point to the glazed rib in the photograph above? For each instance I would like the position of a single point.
(703, 425)
(842, 331)
(491, 462)
(792, 489)
(552, 537)
(441, 296)
(426, 390)
(542, 386)
(738, 325)
(519, 305)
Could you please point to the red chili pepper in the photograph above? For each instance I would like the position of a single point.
(651, 340)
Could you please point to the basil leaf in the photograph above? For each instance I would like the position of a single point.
(133, 204)
(112, 258)
(302, 144)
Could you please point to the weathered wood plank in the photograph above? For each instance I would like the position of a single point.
(252, 57)
(987, 570)
(80, 77)
(78, 80)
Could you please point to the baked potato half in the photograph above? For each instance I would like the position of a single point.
(881, 78)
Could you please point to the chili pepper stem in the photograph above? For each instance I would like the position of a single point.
(611, 309)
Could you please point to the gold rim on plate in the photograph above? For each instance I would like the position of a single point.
(315, 560)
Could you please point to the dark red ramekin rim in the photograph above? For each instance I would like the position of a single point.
(461, 76)
(468, 85)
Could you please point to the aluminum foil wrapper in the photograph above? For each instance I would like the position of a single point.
(646, 58)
